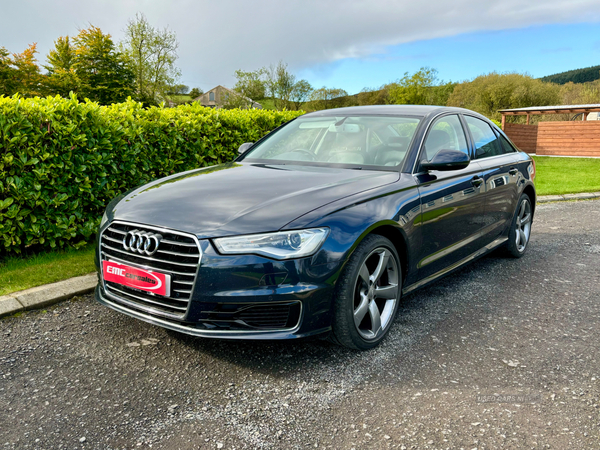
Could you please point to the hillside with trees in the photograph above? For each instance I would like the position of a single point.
(574, 76)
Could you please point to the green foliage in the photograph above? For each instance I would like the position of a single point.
(62, 161)
(195, 93)
(103, 73)
(580, 93)
(250, 84)
(151, 53)
(326, 98)
(370, 96)
(487, 94)
(413, 89)
(62, 78)
(574, 76)
(281, 86)
(20, 73)
(300, 93)
(420, 88)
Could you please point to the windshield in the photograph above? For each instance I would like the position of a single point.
(354, 140)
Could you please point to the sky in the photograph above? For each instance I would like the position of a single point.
(347, 44)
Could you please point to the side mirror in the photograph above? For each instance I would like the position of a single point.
(245, 147)
(447, 160)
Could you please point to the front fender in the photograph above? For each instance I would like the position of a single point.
(391, 211)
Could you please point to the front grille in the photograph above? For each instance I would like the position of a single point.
(178, 255)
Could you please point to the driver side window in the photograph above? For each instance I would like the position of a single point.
(446, 134)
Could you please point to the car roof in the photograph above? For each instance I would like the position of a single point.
(412, 110)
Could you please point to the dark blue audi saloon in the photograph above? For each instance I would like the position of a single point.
(320, 227)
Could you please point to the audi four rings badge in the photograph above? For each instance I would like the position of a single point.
(142, 242)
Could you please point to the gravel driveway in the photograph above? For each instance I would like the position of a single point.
(503, 354)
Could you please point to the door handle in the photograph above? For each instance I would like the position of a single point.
(477, 181)
(513, 171)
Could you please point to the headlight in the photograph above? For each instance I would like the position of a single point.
(104, 220)
(281, 245)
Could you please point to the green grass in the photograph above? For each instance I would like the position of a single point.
(18, 273)
(267, 103)
(557, 176)
(180, 98)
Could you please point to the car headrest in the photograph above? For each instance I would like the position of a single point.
(398, 141)
(389, 157)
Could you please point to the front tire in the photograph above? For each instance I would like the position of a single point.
(520, 229)
(367, 294)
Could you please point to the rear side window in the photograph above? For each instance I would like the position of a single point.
(486, 142)
(445, 134)
(506, 146)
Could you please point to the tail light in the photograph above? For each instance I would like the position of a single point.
(531, 170)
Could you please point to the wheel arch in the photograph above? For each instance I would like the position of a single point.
(391, 231)
(530, 191)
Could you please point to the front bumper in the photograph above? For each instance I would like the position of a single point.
(232, 296)
(193, 329)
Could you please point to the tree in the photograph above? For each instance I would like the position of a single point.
(178, 89)
(370, 96)
(196, 92)
(413, 89)
(103, 73)
(274, 81)
(300, 93)
(280, 84)
(20, 73)
(61, 78)
(235, 101)
(326, 98)
(487, 94)
(152, 54)
(251, 84)
(6, 72)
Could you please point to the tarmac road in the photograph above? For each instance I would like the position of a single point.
(503, 354)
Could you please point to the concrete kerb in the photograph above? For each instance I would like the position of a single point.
(53, 293)
(566, 197)
(47, 295)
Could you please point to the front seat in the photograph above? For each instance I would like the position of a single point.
(393, 153)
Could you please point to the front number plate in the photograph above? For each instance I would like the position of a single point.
(144, 280)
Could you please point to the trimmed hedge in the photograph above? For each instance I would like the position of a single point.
(62, 161)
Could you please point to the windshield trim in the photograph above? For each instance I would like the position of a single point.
(286, 162)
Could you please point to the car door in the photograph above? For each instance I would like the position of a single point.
(452, 205)
(501, 174)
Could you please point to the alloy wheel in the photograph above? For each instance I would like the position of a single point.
(523, 225)
(376, 293)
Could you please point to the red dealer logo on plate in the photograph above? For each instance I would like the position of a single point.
(144, 280)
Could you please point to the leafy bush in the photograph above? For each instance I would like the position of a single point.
(62, 161)
(486, 94)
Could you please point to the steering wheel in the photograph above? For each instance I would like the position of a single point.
(306, 152)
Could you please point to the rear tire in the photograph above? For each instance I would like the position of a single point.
(367, 295)
(520, 228)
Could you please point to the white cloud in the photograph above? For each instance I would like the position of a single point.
(218, 37)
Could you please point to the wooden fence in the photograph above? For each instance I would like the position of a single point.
(572, 138)
(524, 136)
